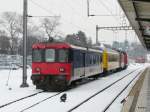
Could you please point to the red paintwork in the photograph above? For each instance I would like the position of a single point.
(122, 59)
(125, 58)
(52, 69)
(51, 45)
(140, 60)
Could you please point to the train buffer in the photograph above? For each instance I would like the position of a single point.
(138, 100)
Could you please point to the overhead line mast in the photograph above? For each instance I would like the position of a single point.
(25, 15)
(125, 28)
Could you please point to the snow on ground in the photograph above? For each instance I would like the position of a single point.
(10, 85)
(99, 103)
(12, 91)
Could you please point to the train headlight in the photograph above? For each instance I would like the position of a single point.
(62, 69)
(37, 69)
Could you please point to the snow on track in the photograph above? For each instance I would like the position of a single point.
(74, 96)
(26, 103)
(77, 95)
(102, 100)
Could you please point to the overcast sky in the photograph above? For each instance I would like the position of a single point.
(74, 16)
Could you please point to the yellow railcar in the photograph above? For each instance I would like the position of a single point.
(111, 60)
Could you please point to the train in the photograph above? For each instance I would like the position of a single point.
(56, 65)
(140, 60)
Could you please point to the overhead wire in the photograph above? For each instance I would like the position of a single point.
(123, 17)
(43, 8)
(79, 3)
(77, 13)
(106, 7)
(81, 16)
(116, 6)
(74, 10)
(48, 11)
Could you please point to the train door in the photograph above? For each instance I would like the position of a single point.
(78, 64)
(84, 64)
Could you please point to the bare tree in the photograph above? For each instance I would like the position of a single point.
(89, 42)
(4, 44)
(49, 25)
(31, 40)
(12, 24)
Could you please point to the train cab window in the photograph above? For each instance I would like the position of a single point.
(49, 55)
(63, 55)
(37, 55)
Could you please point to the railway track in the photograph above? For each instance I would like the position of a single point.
(102, 90)
(82, 102)
(107, 107)
(7, 104)
(28, 99)
(57, 94)
(41, 101)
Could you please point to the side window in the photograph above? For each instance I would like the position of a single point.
(100, 58)
(94, 59)
(76, 55)
(87, 59)
(109, 57)
(81, 59)
(70, 55)
(62, 55)
(91, 59)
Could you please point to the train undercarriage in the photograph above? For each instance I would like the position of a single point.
(48, 83)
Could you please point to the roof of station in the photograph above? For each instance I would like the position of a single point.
(138, 14)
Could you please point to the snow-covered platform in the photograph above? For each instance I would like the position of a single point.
(138, 99)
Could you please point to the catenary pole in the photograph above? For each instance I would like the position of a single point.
(88, 8)
(25, 14)
(97, 34)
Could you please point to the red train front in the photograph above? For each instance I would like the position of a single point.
(51, 65)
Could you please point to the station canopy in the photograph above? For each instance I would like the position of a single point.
(138, 14)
